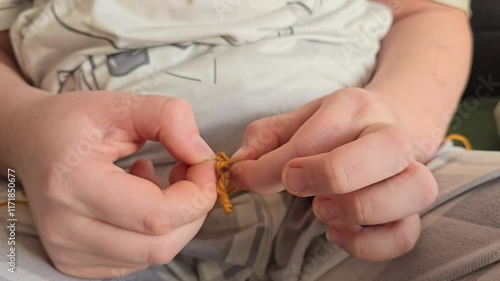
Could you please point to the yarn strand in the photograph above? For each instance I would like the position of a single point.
(223, 173)
(2, 204)
(460, 138)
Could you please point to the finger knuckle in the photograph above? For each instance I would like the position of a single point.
(336, 176)
(259, 135)
(157, 223)
(210, 192)
(255, 127)
(364, 102)
(57, 190)
(305, 147)
(361, 96)
(356, 96)
(363, 206)
(357, 101)
(406, 175)
(174, 107)
(405, 241)
(179, 103)
(53, 234)
(203, 199)
(52, 192)
(398, 140)
(357, 249)
(428, 185)
(406, 244)
(53, 188)
(280, 122)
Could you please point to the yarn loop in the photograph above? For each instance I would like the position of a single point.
(223, 173)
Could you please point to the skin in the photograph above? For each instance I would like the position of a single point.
(97, 221)
(360, 152)
(94, 219)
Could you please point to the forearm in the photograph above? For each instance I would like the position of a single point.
(15, 94)
(422, 69)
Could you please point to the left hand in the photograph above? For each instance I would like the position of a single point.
(349, 151)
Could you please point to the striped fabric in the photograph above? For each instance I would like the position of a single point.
(277, 237)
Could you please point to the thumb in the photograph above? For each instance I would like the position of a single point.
(169, 121)
(267, 134)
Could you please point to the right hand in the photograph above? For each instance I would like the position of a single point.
(94, 219)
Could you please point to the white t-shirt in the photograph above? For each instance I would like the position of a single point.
(234, 61)
(217, 9)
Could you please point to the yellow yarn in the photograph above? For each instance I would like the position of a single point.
(15, 202)
(223, 173)
(222, 170)
(460, 138)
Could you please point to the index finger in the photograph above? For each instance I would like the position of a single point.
(369, 159)
(315, 136)
(167, 120)
(340, 119)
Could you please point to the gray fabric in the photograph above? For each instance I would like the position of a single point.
(277, 238)
(491, 272)
(460, 241)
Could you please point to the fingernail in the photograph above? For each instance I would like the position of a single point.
(150, 164)
(239, 154)
(333, 236)
(295, 180)
(327, 210)
(202, 147)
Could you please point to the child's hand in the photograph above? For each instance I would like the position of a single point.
(348, 151)
(94, 219)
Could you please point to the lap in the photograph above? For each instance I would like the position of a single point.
(460, 238)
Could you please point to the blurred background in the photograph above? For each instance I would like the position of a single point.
(474, 118)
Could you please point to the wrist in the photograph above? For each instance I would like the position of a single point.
(425, 122)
